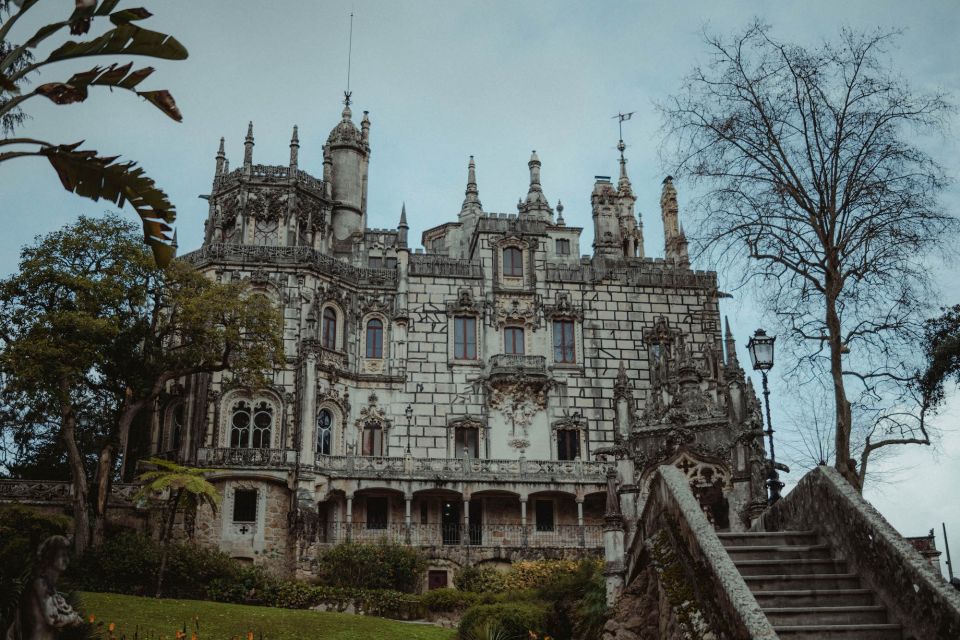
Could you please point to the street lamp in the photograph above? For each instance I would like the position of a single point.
(409, 413)
(760, 347)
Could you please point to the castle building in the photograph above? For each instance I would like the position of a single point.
(492, 396)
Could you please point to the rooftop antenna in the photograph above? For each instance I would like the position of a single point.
(620, 118)
(346, 94)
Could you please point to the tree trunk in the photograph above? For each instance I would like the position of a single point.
(104, 481)
(845, 464)
(167, 534)
(78, 475)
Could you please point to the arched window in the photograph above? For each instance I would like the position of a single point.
(513, 262)
(251, 427)
(372, 439)
(375, 339)
(324, 432)
(329, 339)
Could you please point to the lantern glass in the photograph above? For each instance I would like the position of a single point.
(409, 412)
(760, 347)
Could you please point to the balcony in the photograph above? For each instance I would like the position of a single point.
(246, 458)
(587, 536)
(510, 364)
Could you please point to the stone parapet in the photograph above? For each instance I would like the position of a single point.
(58, 492)
(924, 604)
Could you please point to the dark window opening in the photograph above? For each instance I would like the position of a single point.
(377, 513)
(372, 440)
(424, 512)
(466, 442)
(390, 263)
(544, 510)
(245, 505)
(568, 444)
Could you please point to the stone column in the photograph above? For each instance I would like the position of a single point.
(583, 535)
(308, 410)
(407, 518)
(465, 538)
(348, 522)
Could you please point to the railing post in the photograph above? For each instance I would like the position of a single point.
(523, 521)
(583, 536)
(349, 518)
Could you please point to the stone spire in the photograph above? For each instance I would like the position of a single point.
(471, 200)
(631, 237)
(294, 149)
(403, 228)
(365, 128)
(560, 221)
(731, 345)
(674, 239)
(623, 184)
(536, 205)
(248, 149)
(221, 160)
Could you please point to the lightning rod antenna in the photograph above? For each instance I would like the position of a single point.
(346, 93)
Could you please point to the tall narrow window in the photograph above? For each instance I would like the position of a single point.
(240, 426)
(324, 432)
(177, 419)
(513, 262)
(513, 340)
(377, 513)
(372, 439)
(544, 511)
(466, 442)
(568, 444)
(564, 344)
(375, 339)
(465, 338)
(329, 339)
(262, 426)
(245, 505)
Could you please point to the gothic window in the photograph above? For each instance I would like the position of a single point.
(466, 442)
(390, 262)
(568, 444)
(513, 262)
(563, 247)
(372, 439)
(176, 419)
(375, 262)
(375, 338)
(266, 232)
(245, 505)
(329, 335)
(377, 513)
(251, 427)
(544, 513)
(564, 343)
(513, 340)
(324, 432)
(465, 338)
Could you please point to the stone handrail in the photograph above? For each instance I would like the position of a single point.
(462, 468)
(917, 596)
(257, 254)
(57, 492)
(673, 509)
(245, 458)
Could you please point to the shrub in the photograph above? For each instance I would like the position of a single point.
(514, 620)
(443, 600)
(479, 579)
(578, 600)
(126, 563)
(373, 566)
(533, 574)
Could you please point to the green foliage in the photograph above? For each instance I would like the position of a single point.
(941, 347)
(445, 600)
(479, 579)
(188, 489)
(385, 565)
(512, 621)
(578, 603)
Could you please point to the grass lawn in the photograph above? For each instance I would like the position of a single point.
(220, 621)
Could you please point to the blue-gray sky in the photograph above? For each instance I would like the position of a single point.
(442, 81)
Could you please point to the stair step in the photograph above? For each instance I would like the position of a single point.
(767, 538)
(805, 582)
(780, 552)
(813, 598)
(840, 632)
(790, 566)
(797, 616)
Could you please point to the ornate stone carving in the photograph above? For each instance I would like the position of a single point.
(519, 309)
(465, 304)
(563, 307)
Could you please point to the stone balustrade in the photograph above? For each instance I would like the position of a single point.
(442, 266)
(588, 536)
(57, 492)
(244, 458)
(503, 363)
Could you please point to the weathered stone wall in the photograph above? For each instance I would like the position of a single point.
(915, 594)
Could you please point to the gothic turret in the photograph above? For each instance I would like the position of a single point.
(471, 200)
(294, 150)
(607, 240)
(536, 205)
(349, 153)
(248, 150)
(675, 241)
(221, 160)
(403, 228)
(631, 235)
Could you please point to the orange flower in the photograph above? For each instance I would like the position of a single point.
(193, 636)
(249, 635)
(91, 618)
(111, 627)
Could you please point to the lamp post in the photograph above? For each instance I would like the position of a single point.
(760, 347)
(409, 413)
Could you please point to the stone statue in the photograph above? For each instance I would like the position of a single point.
(43, 611)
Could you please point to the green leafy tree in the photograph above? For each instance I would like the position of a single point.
(186, 490)
(93, 332)
(84, 172)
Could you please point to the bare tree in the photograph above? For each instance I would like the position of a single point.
(812, 170)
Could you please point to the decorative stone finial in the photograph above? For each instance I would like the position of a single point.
(560, 220)
(471, 200)
(365, 127)
(403, 217)
(248, 148)
(294, 148)
(221, 159)
(536, 205)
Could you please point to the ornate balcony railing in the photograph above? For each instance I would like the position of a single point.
(570, 471)
(226, 457)
(436, 265)
(588, 536)
(510, 363)
(256, 254)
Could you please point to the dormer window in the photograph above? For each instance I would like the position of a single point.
(513, 262)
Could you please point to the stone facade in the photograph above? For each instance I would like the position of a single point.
(469, 397)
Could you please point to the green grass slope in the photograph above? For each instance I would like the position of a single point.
(162, 618)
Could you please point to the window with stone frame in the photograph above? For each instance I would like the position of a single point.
(568, 444)
(513, 341)
(512, 262)
(251, 427)
(372, 439)
(390, 262)
(266, 232)
(375, 262)
(466, 442)
(245, 505)
(563, 246)
(329, 329)
(564, 341)
(465, 337)
(375, 338)
(544, 515)
(377, 512)
(325, 432)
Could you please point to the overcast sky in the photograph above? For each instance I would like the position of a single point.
(445, 80)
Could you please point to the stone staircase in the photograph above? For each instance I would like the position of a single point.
(804, 590)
